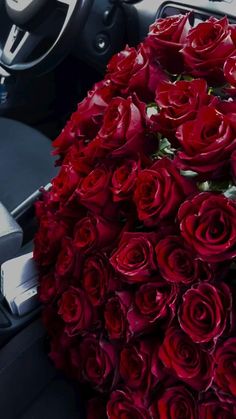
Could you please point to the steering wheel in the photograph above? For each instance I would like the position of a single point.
(35, 35)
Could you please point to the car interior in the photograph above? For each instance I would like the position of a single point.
(52, 52)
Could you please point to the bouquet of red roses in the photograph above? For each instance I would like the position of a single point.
(137, 237)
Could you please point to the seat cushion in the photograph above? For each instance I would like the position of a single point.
(26, 162)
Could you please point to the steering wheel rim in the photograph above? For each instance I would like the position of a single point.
(21, 41)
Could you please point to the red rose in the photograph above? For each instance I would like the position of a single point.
(230, 70)
(134, 257)
(178, 264)
(204, 312)
(135, 366)
(64, 184)
(135, 71)
(225, 371)
(207, 47)
(76, 311)
(125, 404)
(94, 190)
(66, 258)
(159, 192)
(166, 37)
(233, 165)
(87, 120)
(153, 303)
(124, 180)
(97, 278)
(208, 224)
(217, 410)
(123, 130)
(178, 103)
(98, 361)
(207, 143)
(47, 241)
(94, 232)
(47, 289)
(115, 315)
(174, 403)
(183, 358)
(60, 354)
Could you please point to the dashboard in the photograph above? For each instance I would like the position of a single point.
(108, 30)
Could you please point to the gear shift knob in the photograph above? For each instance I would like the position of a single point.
(11, 235)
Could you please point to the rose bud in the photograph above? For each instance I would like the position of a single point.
(115, 314)
(159, 192)
(178, 264)
(225, 367)
(126, 404)
(166, 38)
(87, 120)
(154, 303)
(76, 311)
(98, 362)
(205, 311)
(136, 71)
(66, 258)
(64, 184)
(174, 403)
(184, 359)
(179, 102)
(134, 257)
(94, 232)
(135, 366)
(94, 190)
(97, 278)
(124, 180)
(123, 130)
(207, 47)
(212, 235)
(47, 241)
(207, 143)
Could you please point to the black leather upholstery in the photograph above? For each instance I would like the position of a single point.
(25, 162)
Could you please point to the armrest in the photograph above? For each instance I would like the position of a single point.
(11, 235)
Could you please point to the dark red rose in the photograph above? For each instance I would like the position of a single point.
(217, 410)
(115, 314)
(225, 367)
(207, 143)
(76, 311)
(123, 130)
(98, 361)
(230, 70)
(135, 366)
(207, 47)
(153, 303)
(47, 289)
(208, 224)
(179, 102)
(205, 311)
(167, 37)
(64, 184)
(94, 232)
(178, 264)
(97, 278)
(47, 241)
(87, 120)
(184, 359)
(126, 404)
(60, 354)
(159, 192)
(174, 403)
(135, 71)
(94, 190)
(134, 257)
(124, 180)
(66, 258)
